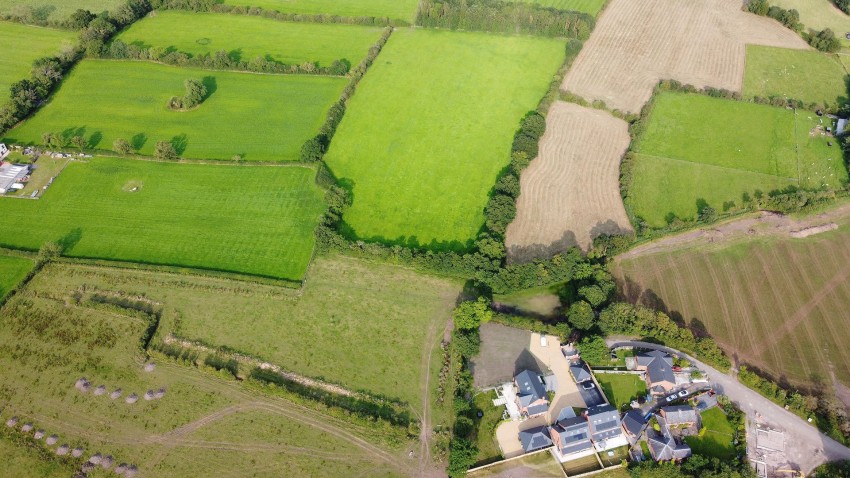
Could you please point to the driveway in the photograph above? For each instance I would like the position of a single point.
(810, 447)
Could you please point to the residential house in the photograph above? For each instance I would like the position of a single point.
(681, 416)
(531, 398)
(605, 427)
(658, 366)
(634, 422)
(580, 373)
(571, 435)
(663, 446)
(535, 438)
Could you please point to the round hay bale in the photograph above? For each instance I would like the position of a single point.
(52, 439)
(80, 382)
(106, 462)
(12, 422)
(120, 469)
(132, 398)
(96, 458)
(100, 390)
(87, 467)
(149, 395)
(131, 471)
(77, 452)
(159, 393)
(117, 393)
(62, 450)
(85, 387)
(150, 367)
(39, 434)
(26, 428)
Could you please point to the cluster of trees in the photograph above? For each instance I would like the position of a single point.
(504, 17)
(221, 60)
(96, 30)
(27, 95)
(823, 40)
(297, 17)
(195, 94)
(843, 5)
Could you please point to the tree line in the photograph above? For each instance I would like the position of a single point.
(504, 17)
(823, 40)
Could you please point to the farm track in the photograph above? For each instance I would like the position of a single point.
(570, 192)
(636, 44)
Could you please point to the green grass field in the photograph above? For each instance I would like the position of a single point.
(421, 160)
(621, 389)
(488, 446)
(261, 117)
(700, 148)
(21, 45)
(253, 220)
(810, 76)
(819, 14)
(249, 37)
(393, 9)
(24, 462)
(53, 333)
(715, 440)
(587, 6)
(53, 10)
(13, 269)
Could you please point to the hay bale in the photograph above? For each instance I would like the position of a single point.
(12, 422)
(117, 393)
(150, 367)
(85, 387)
(149, 395)
(26, 428)
(62, 450)
(52, 439)
(39, 434)
(80, 382)
(77, 452)
(131, 471)
(87, 467)
(100, 390)
(120, 469)
(132, 398)
(96, 458)
(159, 393)
(106, 462)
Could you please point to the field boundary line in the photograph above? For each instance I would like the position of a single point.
(714, 166)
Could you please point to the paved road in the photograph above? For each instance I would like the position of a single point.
(805, 446)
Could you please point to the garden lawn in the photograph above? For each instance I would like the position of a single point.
(429, 129)
(698, 149)
(252, 220)
(13, 269)
(715, 440)
(21, 45)
(591, 7)
(488, 447)
(810, 76)
(394, 9)
(53, 10)
(249, 37)
(261, 117)
(621, 389)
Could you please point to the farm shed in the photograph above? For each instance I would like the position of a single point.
(12, 176)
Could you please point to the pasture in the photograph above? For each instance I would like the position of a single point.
(772, 302)
(393, 9)
(591, 7)
(819, 14)
(362, 325)
(810, 76)
(421, 161)
(252, 220)
(227, 123)
(53, 10)
(249, 37)
(699, 149)
(715, 438)
(55, 332)
(26, 462)
(23, 44)
(13, 269)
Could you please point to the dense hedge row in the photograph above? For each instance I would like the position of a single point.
(823, 40)
(504, 17)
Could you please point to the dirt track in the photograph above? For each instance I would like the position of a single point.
(570, 192)
(637, 43)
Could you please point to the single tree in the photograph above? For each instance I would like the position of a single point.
(581, 315)
(122, 146)
(470, 314)
(165, 151)
(79, 142)
(47, 139)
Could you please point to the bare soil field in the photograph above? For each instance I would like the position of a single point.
(504, 351)
(570, 192)
(771, 300)
(701, 42)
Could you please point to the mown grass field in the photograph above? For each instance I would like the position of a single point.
(715, 440)
(696, 148)
(252, 220)
(621, 389)
(393, 9)
(53, 10)
(53, 333)
(774, 303)
(29, 463)
(819, 14)
(249, 37)
(362, 325)
(587, 6)
(261, 117)
(810, 76)
(13, 269)
(21, 45)
(421, 160)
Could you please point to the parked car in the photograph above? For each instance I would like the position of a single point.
(670, 398)
(683, 393)
(587, 385)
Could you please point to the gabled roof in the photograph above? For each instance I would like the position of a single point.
(537, 409)
(574, 433)
(659, 366)
(633, 422)
(579, 373)
(679, 414)
(566, 412)
(665, 448)
(604, 422)
(530, 385)
(644, 358)
(535, 438)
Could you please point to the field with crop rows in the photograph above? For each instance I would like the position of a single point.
(249, 37)
(421, 160)
(21, 46)
(810, 76)
(261, 117)
(697, 148)
(393, 9)
(253, 220)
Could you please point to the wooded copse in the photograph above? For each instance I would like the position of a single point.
(196, 93)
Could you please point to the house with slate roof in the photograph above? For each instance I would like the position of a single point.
(571, 436)
(580, 373)
(681, 416)
(535, 438)
(659, 371)
(663, 446)
(531, 398)
(633, 424)
(605, 427)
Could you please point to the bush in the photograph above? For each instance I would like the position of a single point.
(165, 151)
